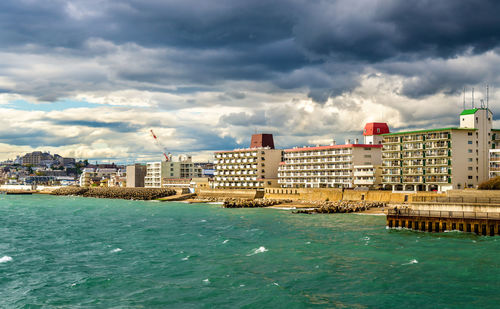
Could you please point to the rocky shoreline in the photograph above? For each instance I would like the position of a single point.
(342, 207)
(257, 203)
(116, 192)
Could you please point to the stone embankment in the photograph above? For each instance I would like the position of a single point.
(116, 192)
(240, 203)
(343, 207)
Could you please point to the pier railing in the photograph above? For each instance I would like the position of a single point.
(457, 199)
(444, 214)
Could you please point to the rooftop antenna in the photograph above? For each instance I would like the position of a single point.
(487, 96)
(464, 98)
(472, 97)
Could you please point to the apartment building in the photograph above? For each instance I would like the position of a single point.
(494, 167)
(331, 166)
(248, 168)
(367, 176)
(184, 168)
(135, 175)
(440, 159)
(153, 174)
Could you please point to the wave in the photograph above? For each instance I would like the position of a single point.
(206, 281)
(411, 262)
(225, 241)
(258, 250)
(5, 259)
(186, 258)
(116, 250)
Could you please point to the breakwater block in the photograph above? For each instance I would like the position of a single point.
(116, 192)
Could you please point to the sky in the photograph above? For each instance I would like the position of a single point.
(90, 78)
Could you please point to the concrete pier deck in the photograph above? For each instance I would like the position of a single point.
(481, 223)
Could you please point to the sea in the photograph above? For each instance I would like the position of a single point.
(75, 252)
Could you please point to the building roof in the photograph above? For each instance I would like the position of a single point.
(376, 128)
(430, 130)
(334, 147)
(262, 140)
(245, 149)
(469, 111)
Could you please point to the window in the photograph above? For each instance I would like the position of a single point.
(469, 150)
(470, 177)
(367, 148)
(378, 130)
(469, 142)
(469, 159)
(368, 156)
(470, 168)
(469, 133)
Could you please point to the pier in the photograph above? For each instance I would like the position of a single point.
(480, 223)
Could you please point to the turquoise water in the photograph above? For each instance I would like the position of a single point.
(81, 252)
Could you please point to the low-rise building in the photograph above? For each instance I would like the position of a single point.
(247, 168)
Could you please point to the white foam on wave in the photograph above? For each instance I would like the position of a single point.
(203, 220)
(186, 258)
(5, 259)
(258, 250)
(206, 281)
(116, 250)
(216, 203)
(225, 241)
(411, 262)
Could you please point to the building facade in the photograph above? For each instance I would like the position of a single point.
(248, 168)
(440, 159)
(494, 167)
(184, 168)
(367, 176)
(135, 175)
(153, 175)
(329, 166)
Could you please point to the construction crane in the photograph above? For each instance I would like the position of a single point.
(157, 142)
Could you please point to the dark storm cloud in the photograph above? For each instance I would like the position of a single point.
(236, 48)
(256, 40)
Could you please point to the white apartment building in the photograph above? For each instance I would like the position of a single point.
(368, 176)
(153, 175)
(494, 168)
(332, 166)
(440, 159)
(326, 166)
(246, 168)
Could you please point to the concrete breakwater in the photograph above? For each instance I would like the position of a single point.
(343, 207)
(116, 192)
(239, 203)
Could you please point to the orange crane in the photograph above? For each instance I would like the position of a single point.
(157, 141)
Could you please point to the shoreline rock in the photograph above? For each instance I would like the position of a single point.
(342, 207)
(116, 192)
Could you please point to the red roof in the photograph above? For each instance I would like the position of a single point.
(376, 128)
(334, 147)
